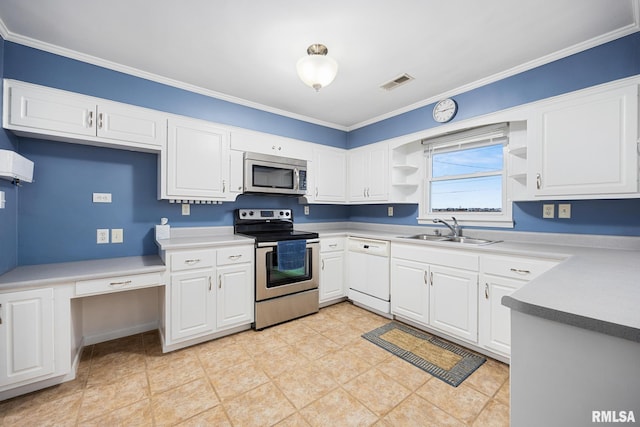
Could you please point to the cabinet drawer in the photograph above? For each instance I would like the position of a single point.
(234, 255)
(193, 259)
(118, 283)
(515, 267)
(332, 244)
(449, 258)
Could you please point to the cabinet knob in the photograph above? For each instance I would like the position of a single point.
(90, 119)
(538, 181)
(219, 281)
(519, 271)
(486, 291)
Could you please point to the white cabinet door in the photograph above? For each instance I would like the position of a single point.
(45, 109)
(368, 173)
(196, 164)
(26, 335)
(192, 304)
(332, 276)
(586, 145)
(410, 290)
(358, 175)
(234, 299)
(330, 172)
(126, 123)
(453, 302)
(377, 187)
(495, 321)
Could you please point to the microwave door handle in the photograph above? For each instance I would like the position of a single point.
(296, 185)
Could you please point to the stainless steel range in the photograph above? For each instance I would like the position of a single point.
(287, 263)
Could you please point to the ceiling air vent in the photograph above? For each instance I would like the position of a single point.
(398, 81)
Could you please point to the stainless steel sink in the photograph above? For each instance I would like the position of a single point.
(452, 239)
(469, 240)
(429, 237)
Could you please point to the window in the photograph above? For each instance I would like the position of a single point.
(466, 177)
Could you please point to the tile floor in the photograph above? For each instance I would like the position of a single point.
(314, 371)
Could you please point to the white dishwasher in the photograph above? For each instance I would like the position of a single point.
(368, 273)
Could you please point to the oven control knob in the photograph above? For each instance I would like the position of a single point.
(288, 213)
(281, 213)
(243, 214)
(250, 213)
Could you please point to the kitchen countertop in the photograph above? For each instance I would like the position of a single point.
(29, 276)
(594, 288)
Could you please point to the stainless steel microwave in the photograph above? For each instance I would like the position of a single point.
(268, 174)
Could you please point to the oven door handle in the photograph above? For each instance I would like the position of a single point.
(274, 244)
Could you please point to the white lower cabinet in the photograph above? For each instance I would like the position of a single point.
(495, 323)
(501, 275)
(410, 290)
(332, 269)
(453, 302)
(192, 304)
(211, 290)
(27, 335)
(234, 296)
(437, 288)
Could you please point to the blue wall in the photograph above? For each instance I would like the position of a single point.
(610, 61)
(57, 220)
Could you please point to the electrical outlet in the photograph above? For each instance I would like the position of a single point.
(390, 211)
(306, 210)
(564, 210)
(548, 211)
(2, 200)
(102, 236)
(117, 235)
(186, 209)
(101, 197)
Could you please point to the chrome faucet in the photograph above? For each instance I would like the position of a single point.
(456, 230)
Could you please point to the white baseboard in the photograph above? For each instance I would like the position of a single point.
(119, 333)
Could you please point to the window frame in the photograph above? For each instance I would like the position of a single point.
(484, 137)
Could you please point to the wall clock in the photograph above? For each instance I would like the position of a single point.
(445, 110)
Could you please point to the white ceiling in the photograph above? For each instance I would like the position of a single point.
(246, 50)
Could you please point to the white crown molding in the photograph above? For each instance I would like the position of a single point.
(596, 41)
(588, 44)
(72, 54)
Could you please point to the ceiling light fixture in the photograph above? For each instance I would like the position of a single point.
(317, 70)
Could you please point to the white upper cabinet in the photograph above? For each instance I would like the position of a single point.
(43, 112)
(265, 143)
(329, 175)
(584, 145)
(195, 164)
(368, 173)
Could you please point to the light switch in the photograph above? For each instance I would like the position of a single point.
(564, 210)
(117, 235)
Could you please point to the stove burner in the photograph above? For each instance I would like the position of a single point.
(268, 225)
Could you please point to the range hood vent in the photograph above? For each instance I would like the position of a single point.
(398, 81)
